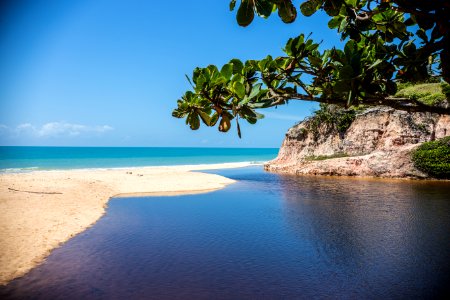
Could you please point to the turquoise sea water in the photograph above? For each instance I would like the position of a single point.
(16, 159)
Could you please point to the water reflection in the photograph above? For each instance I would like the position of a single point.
(377, 233)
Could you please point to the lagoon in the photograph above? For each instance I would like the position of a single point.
(267, 236)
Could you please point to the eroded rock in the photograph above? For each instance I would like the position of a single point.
(378, 143)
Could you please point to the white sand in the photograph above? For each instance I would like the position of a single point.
(43, 209)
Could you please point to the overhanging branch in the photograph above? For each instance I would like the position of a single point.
(405, 104)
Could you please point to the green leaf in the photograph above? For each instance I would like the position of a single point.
(258, 115)
(349, 48)
(227, 71)
(334, 22)
(238, 78)
(201, 80)
(263, 7)
(315, 61)
(193, 121)
(178, 113)
(261, 104)
(308, 8)
(255, 90)
(287, 11)
(237, 65)
(232, 4)
(205, 118)
(245, 13)
(214, 119)
(239, 89)
(351, 2)
(332, 7)
(343, 25)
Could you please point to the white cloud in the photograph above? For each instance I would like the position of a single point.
(56, 129)
(63, 128)
(25, 127)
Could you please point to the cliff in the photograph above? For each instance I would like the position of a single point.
(377, 143)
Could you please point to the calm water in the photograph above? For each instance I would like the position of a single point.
(38, 158)
(265, 237)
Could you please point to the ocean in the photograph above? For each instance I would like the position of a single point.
(22, 159)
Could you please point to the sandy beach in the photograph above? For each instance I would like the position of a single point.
(41, 210)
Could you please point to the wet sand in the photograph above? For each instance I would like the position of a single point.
(41, 210)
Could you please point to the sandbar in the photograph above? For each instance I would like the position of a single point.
(41, 210)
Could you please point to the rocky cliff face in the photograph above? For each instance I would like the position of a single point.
(378, 143)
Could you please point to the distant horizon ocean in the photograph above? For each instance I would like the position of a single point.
(29, 158)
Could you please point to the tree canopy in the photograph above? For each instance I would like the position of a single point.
(387, 42)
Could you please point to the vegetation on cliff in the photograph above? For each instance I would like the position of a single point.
(386, 43)
(335, 118)
(433, 158)
(428, 93)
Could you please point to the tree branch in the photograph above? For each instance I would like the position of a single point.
(405, 104)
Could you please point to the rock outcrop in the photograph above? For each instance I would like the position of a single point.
(378, 143)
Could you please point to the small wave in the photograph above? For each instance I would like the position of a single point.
(258, 162)
(18, 170)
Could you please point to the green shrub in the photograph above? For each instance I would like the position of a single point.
(433, 158)
(427, 93)
(337, 118)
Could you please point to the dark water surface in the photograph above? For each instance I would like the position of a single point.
(266, 237)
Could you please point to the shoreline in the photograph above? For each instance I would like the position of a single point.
(42, 209)
(204, 166)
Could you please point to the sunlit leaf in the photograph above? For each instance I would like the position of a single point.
(227, 71)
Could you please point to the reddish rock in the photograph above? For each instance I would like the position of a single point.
(378, 143)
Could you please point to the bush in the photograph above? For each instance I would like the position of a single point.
(337, 118)
(433, 158)
(427, 93)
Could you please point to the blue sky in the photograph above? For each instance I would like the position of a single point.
(108, 73)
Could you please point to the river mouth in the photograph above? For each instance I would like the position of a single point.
(267, 236)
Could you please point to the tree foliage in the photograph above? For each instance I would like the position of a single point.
(386, 42)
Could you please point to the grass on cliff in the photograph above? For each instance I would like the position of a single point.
(337, 118)
(427, 93)
(433, 158)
